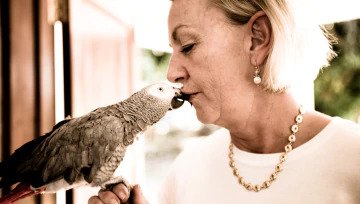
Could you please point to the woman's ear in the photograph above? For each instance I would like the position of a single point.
(261, 37)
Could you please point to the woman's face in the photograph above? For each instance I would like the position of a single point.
(210, 59)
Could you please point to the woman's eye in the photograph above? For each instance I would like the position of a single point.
(187, 48)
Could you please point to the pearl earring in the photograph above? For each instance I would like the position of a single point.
(257, 78)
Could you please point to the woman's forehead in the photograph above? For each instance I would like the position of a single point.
(188, 8)
(191, 13)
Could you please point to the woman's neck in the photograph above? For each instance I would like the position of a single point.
(265, 125)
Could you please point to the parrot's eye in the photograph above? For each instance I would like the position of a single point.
(161, 89)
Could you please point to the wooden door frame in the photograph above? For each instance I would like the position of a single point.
(27, 90)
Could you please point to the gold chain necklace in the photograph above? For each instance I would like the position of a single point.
(266, 184)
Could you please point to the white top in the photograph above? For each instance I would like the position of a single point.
(326, 169)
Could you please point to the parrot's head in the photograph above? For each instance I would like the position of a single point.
(156, 99)
(166, 94)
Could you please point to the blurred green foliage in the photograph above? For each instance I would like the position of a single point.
(337, 89)
(154, 65)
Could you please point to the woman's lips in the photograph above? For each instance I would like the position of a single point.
(192, 96)
(188, 96)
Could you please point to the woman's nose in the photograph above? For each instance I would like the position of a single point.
(177, 72)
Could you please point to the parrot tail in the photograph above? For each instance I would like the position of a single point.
(19, 192)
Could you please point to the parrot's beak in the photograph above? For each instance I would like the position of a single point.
(178, 100)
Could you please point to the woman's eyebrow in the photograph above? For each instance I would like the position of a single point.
(174, 34)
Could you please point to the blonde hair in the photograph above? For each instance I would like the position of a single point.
(299, 49)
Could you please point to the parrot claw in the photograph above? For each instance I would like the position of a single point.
(108, 185)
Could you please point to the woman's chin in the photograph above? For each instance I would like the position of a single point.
(206, 117)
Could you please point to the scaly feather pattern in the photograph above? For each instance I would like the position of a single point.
(88, 148)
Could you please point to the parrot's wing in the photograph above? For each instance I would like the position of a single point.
(83, 149)
(16, 167)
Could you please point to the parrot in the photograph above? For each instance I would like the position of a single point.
(88, 149)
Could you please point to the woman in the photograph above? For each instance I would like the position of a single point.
(238, 61)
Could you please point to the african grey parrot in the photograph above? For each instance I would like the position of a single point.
(87, 149)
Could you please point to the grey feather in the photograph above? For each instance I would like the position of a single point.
(90, 147)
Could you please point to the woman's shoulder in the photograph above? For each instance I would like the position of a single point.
(194, 161)
(344, 127)
(198, 147)
(343, 135)
(216, 140)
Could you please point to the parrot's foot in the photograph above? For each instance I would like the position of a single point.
(108, 185)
